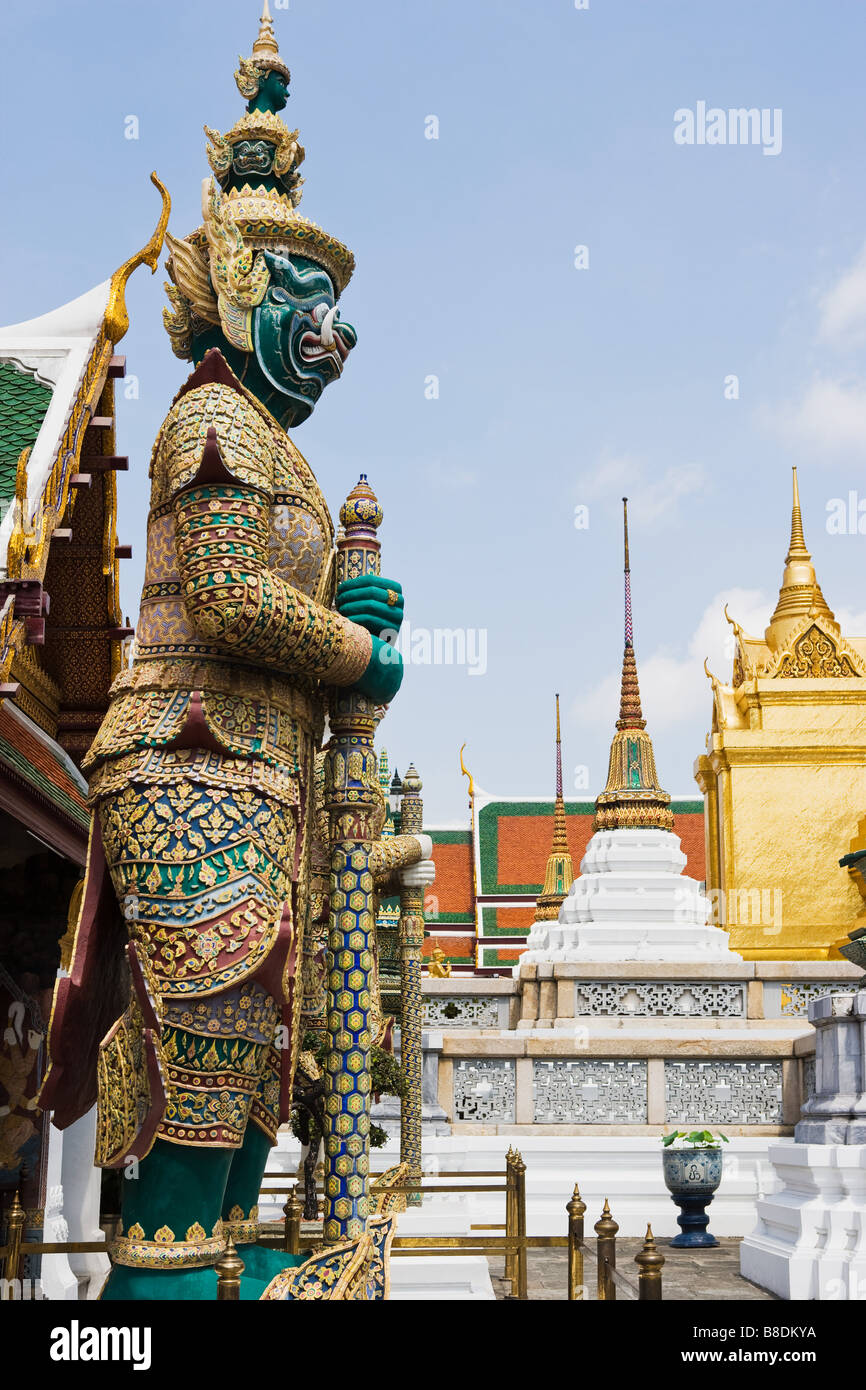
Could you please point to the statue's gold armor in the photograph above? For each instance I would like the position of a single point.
(202, 774)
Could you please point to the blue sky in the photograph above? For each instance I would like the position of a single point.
(557, 386)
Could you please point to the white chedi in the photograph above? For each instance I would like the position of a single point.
(631, 902)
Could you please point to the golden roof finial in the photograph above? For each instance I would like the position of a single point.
(467, 774)
(116, 316)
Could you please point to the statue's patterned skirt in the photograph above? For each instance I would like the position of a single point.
(206, 853)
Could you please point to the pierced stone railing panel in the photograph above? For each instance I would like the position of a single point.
(462, 1011)
(791, 999)
(733, 1093)
(591, 1092)
(660, 998)
(484, 1090)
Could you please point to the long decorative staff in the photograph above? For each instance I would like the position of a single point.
(351, 797)
(411, 942)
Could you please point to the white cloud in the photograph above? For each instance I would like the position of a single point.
(843, 307)
(830, 418)
(650, 495)
(674, 687)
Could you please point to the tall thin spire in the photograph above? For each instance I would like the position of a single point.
(632, 798)
(630, 715)
(629, 635)
(800, 595)
(558, 755)
(797, 548)
(559, 874)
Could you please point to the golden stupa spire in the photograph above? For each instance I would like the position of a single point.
(800, 594)
(632, 798)
(559, 875)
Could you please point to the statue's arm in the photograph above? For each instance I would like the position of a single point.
(404, 861)
(222, 523)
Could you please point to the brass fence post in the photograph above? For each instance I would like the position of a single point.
(229, 1268)
(292, 1234)
(649, 1261)
(15, 1218)
(575, 1208)
(606, 1229)
(520, 1200)
(510, 1218)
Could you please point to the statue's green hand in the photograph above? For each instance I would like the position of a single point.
(384, 674)
(372, 602)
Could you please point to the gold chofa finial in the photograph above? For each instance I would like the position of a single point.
(116, 316)
(797, 548)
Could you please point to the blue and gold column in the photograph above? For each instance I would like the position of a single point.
(351, 797)
(411, 1012)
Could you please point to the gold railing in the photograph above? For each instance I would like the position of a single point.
(293, 1235)
(296, 1235)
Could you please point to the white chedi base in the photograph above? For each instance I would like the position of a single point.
(810, 1240)
(631, 902)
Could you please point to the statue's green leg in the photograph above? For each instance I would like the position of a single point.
(175, 1189)
(242, 1194)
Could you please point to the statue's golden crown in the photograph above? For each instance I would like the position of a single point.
(218, 274)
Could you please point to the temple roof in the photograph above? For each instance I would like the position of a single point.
(42, 366)
(31, 756)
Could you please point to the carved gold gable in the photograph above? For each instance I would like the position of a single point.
(817, 655)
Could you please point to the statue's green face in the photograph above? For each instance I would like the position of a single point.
(300, 341)
(273, 94)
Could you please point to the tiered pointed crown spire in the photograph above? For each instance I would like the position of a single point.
(632, 798)
(800, 595)
(559, 875)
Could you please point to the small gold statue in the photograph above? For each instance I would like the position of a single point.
(437, 968)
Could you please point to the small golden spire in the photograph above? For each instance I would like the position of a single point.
(800, 595)
(797, 547)
(559, 875)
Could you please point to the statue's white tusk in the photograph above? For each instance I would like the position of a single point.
(325, 332)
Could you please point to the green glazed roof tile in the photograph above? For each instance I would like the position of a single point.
(23, 405)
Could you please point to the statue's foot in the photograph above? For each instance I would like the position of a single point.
(192, 1285)
(157, 1285)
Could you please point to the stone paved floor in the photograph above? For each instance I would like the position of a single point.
(687, 1274)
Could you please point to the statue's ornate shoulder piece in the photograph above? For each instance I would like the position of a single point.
(214, 399)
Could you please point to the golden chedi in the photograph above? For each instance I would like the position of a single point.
(784, 775)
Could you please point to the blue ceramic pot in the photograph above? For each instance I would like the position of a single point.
(692, 1176)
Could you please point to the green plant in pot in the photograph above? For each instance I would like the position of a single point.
(692, 1169)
